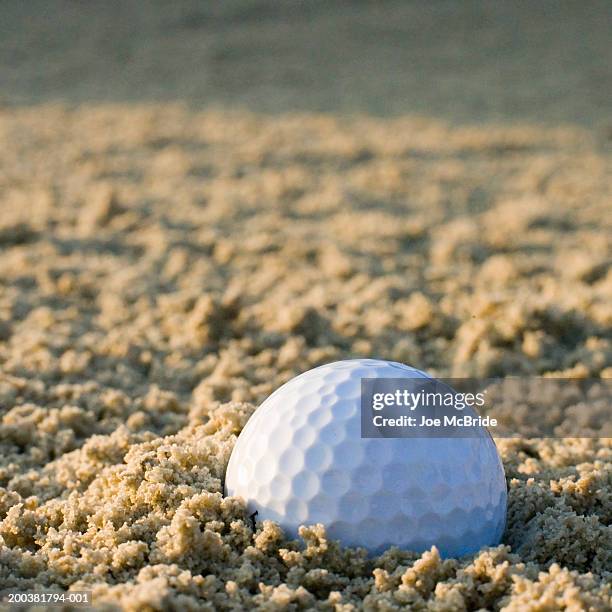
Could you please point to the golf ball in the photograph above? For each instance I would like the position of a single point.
(301, 460)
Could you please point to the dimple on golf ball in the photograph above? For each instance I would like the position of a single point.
(301, 460)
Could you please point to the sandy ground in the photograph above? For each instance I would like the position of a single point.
(163, 270)
(164, 267)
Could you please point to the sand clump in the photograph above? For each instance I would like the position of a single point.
(163, 270)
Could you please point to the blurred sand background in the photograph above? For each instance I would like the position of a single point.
(198, 202)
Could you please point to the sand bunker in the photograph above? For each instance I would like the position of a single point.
(162, 271)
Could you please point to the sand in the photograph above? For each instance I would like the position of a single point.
(163, 269)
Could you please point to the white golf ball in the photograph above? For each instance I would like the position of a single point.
(301, 460)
